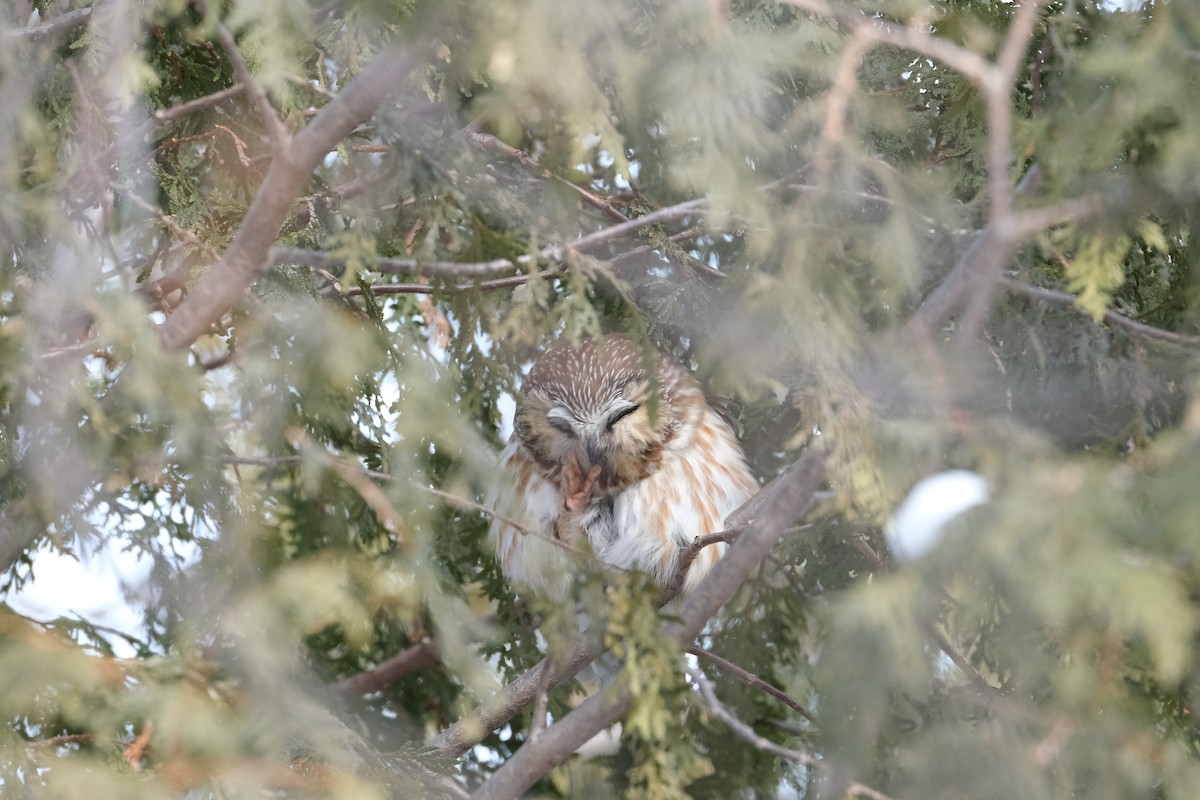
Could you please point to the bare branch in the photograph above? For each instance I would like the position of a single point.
(751, 679)
(555, 744)
(400, 266)
(973, 67)
(986, 690)
(406, 662)
(541, 699)
(472, 728)
(276, 130)
(168, 222)
(290, 170)
(653, 218)
(1021, 225)
(838, 103)
(488, 142)
(995, 81)
(743, 730)
(54, 26)
(997, 90)
(425, 288)
(1111, 317)
(468, 269)
(160, 117)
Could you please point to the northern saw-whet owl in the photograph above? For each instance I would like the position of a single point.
(631, 459)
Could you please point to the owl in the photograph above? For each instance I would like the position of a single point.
(626, 456)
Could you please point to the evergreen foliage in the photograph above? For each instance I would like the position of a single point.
(897, 237)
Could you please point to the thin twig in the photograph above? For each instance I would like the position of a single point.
(169, 223)
(396, 266)
(551, 253)
(277, 132)
(743, 730)
(750, 678)
(604, 235)
(66, 738)
(1111, 317)
(673, 586)
(158, 118)
(488, 142)
(943, 642)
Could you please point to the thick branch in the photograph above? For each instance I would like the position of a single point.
(471, 729)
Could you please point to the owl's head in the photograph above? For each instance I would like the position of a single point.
(598, 401)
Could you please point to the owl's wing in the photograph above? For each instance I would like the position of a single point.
(527, 555)
(701, 482)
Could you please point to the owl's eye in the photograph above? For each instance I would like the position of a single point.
(620, 415)
(560, 424)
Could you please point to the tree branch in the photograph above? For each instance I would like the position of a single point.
(995, 81)
(1111, 317)
(637, 223)
(290, 170)
(751, 679)
(406, 662)
(158, 118)
(401, 266)
(985, 689)
(485, 141)
(743, 730)
(54, 26)
(472, 728)
(786, 499)
(277, 132)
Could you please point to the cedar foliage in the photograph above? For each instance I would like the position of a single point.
(278, 472)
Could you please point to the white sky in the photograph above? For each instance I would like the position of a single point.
(93, 588)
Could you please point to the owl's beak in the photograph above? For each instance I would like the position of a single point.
(593, 452)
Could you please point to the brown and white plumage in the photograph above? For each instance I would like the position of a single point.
(635, 460)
